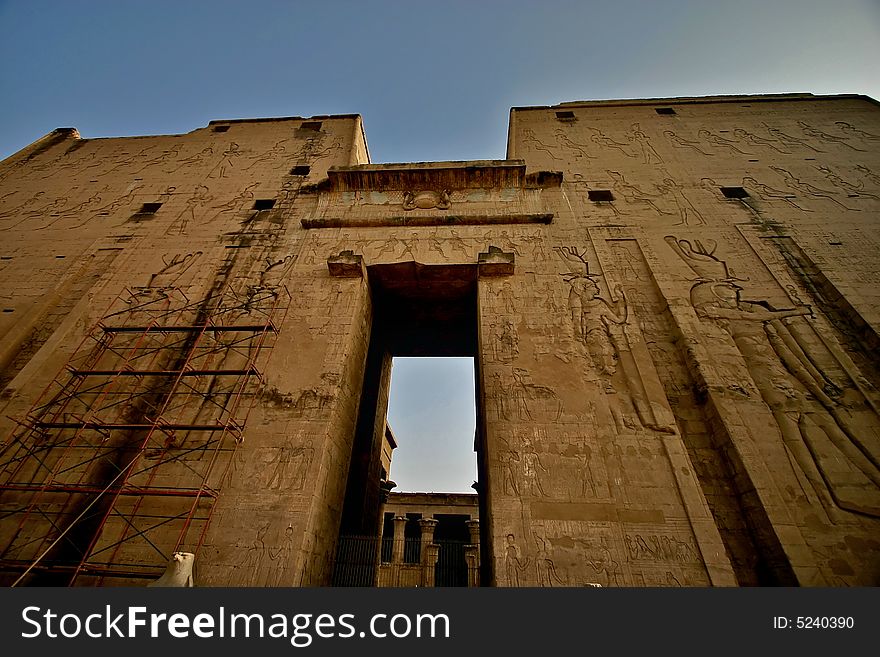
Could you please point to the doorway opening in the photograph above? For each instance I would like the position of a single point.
(432, 413)
(425, 313)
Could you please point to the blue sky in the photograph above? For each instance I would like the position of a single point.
(433, 81)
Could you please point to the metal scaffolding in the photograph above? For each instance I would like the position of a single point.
(120, 461)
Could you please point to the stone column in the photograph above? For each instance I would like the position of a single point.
(474, 530)
(472, 553)
(397, 549)
(385, 487)
(429, 550)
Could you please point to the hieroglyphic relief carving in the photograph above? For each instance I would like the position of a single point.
(532, 143)
(852, 189)
(851, 130)
(804, 401)
(505, 341)
(169, 154)
(128, 158)
(426, 200)
(236, 203)
(718, 141)
(123, 201)
(659, 548)
(686, 209)
(274, 153)
(649, 155)
(514, 565)
(755, 140)
(200, 197)
(288, 469)
(227, 161)
(193, 160)
(632, 194)
(545, 567)
(797, 185)
(868, 174)
(788, 140)
(175, 267)
(87, 206)
(605, 141)
(681, 142)
(579, 150)
(600, 326)
(810, 131)
(591, 315)
(771, 193)
(527, 396)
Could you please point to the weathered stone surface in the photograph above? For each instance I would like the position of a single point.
(677, 382)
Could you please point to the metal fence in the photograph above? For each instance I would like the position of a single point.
(370, 561)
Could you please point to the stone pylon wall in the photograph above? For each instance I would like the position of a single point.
(677, 381)
(729, 342)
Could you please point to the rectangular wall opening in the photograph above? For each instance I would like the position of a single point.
(423, 358)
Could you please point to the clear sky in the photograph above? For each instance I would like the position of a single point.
(433, 80)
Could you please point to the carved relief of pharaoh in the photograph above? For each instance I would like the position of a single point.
(805, 404)
(426, 200)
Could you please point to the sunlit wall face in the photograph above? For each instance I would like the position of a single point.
(432, 414)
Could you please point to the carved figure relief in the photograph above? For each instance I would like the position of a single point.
(605, 141)
(661, 548)
(631, 193)
(532, 143)
(514, 565)
(251, 566)
(788, 140)
(755, 140)
(193, 160)
(175, 267)
(505, 342)
(771, 193)
(22, 209)
(803, 400)
(237, 202)
(426, 200)
(810, 131)
(600, 326)
(129, 159)
(545, 567)
(274, 153)
(852, 131)
(591, 315)
(122, 202)
(867, 173)
(200, 197)
(680, 142)
(527, 396)
(852, 189)
(531, 467)
(227, 161)
(686, 209)
(718, 141)
(289, 468)
(649, 155)
(798, 185)
(170, 154)
(86, 206)
(579, 150)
